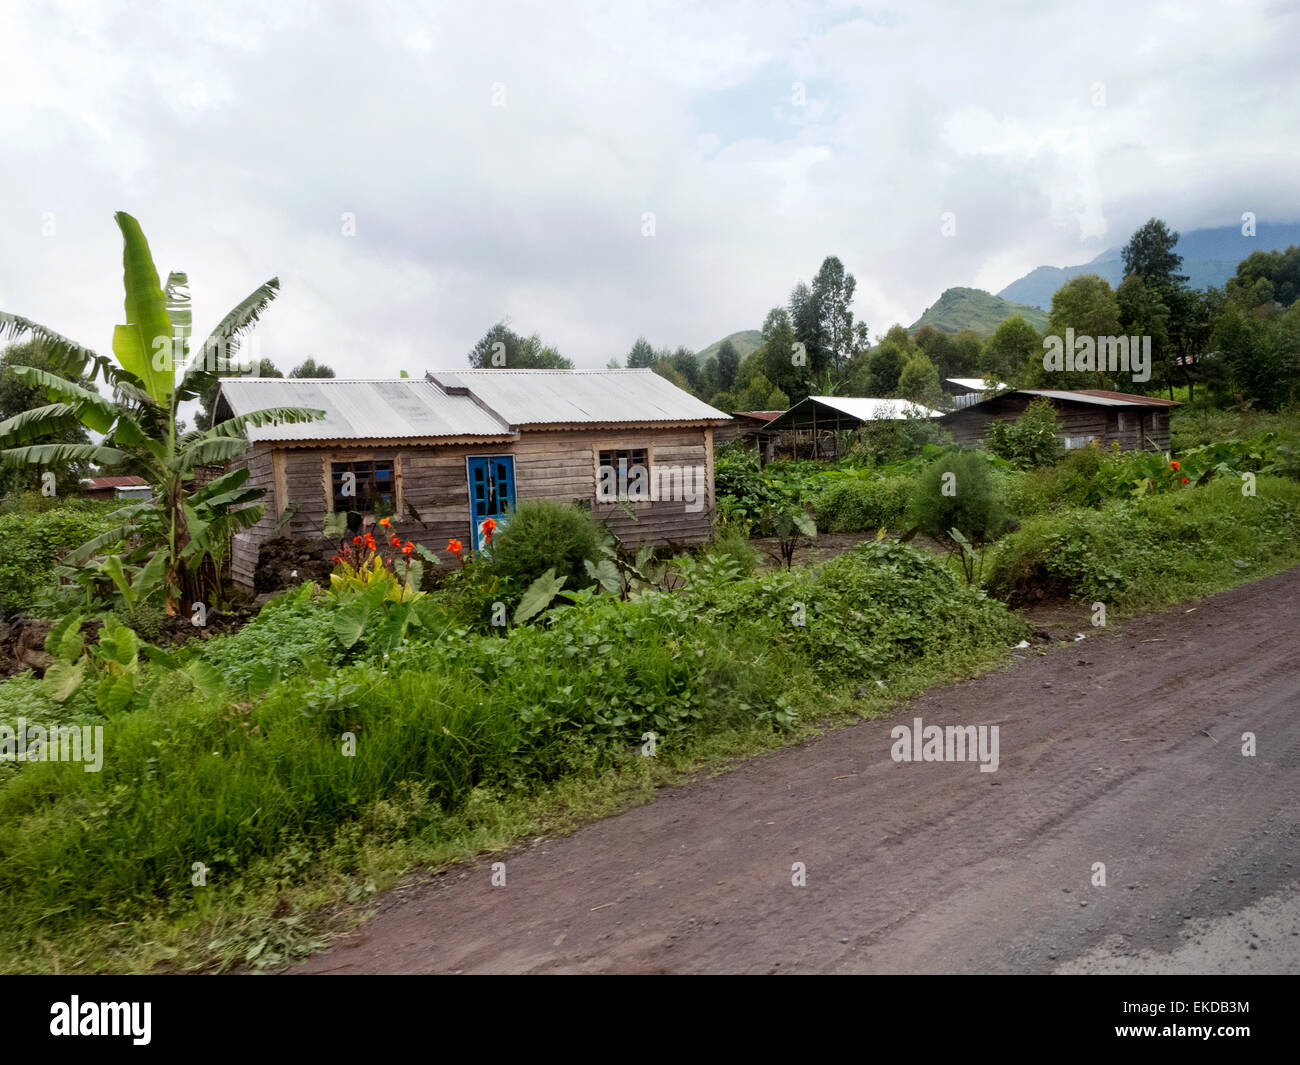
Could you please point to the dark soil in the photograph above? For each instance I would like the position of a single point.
(1124, 748)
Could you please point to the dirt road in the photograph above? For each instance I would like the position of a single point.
(1124, 749)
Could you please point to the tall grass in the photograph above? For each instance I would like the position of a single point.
(248, 792)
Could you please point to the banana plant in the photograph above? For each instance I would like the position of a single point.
(152, 371)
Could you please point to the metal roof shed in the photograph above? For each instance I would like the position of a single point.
(847, 412)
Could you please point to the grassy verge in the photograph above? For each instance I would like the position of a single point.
(1139, 555)
(463, 742)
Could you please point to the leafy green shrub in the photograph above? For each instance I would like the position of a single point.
(862, 613)
(884, 441)
(732, 541)
(863, 504)
(31, 544)
(290, 632)
(1031, 441)
(740, 486)
(1152, 550)
(956, 491)
(543, 534)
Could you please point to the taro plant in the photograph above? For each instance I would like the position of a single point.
(786, 521)
(151, 373)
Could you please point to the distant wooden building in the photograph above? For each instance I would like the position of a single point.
(116, 487)
(749, 426)
(1082, 415)
(967, 391)
(816, 423)
(443, 454)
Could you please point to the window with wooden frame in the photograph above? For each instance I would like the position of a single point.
(623, 474)
(368, 486)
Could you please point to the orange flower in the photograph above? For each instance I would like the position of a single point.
(394, 541)
(489, 527)
(385, 522)
(1174, 466)
(370, 542)
(356, 540)
(454, 547)
(408, 548)
(1184, 480)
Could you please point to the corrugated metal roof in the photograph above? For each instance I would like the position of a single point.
(361, 410)
(567, 397)
(1146, 401)
(975, 383)
(115, 481)
(1101, 398)
(859, 408)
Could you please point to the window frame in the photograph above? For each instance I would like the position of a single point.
(332, 459)
(600, 448)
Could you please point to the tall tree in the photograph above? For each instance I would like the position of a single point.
(822, 318)
(939, 349)
(919, 381)
(310, 368)
(1013, 353)
(501, 348)
(1086, 305)
(1150, 255)
(728, 362)
(786, 367)
(642, 355)
(685, 362)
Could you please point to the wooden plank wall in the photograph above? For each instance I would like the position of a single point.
(243, 549)
(1129, 426)
(433, 488)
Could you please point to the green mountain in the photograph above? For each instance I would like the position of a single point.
(1210, 257)
(744, 342)
(973, 308)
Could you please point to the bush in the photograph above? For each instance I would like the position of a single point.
(732, 541)
(290, 633)
(739, 484)
(541, 535)
(32, 542)
(887, 440)
(1146, 552)
(1084, 478)
(1032, 440)
(956, 492)
(863, 504)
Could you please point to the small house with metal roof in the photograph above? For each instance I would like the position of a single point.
(442, 455)
(1082, 415)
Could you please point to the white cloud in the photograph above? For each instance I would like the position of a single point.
(238, 135)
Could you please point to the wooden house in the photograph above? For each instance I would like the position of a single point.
(440, 456)
(1082, 415)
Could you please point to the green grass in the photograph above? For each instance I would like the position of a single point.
(458, 736)
(1196, 427)
(1138, 555)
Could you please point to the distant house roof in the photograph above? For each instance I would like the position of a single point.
(488, 404)
(975, 384)
(1102, 398)
(758, 415)
(99, 483)
(575, 397)
(403, 409)
(1092, 396)
(849, 411)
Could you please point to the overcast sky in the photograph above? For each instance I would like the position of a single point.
(499, 159)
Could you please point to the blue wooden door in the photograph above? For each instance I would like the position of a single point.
(491, 493)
